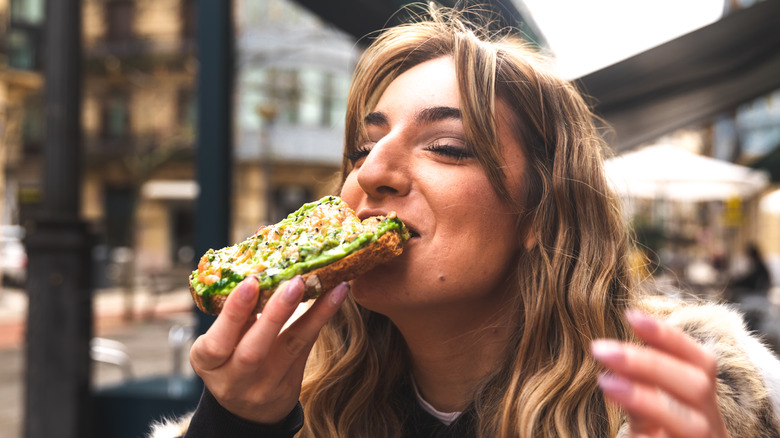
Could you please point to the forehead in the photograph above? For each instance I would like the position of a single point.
(430, 82)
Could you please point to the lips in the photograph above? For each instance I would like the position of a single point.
(365, 213)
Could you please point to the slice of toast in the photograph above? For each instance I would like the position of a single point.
(323, 241)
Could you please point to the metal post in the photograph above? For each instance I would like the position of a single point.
(215, 142)
(60, 303)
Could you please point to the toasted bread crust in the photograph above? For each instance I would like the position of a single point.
(324, 278)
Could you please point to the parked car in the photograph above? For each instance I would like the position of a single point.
(13, 256)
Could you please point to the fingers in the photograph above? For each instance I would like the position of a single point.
(651, 410)
(683, 380)
(257, 341)
(671, 340)
(302, 334)
(668, 387)
(296, 341)
(216, 346)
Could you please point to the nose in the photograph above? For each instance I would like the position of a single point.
(385, 170)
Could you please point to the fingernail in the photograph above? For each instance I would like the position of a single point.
(614, 385)
(640, 320)
(339, 294)
(606, 350)
(293, 290)
(246, 291)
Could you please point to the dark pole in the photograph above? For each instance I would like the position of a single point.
(215, 142)
(59, 324)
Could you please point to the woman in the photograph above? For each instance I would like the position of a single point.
(495, 321)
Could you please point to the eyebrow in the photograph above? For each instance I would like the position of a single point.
(426, 115)
(436, 114)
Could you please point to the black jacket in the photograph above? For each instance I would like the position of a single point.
(211, 420)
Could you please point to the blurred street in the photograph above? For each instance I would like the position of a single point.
(146, 340)
(149, 94)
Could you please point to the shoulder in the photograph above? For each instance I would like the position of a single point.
(748, 371)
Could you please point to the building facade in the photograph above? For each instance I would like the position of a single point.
(139, 122)
(292, 78)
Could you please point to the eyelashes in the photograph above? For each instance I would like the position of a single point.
(456, 153)
(359, 152)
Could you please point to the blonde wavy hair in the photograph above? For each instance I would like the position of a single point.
(572, 285)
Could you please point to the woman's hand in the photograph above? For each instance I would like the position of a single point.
(668, 388)
(252, 367)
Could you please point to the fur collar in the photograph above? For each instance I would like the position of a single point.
(748, 371)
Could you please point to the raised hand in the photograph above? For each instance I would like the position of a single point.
(668, 387)
(250, 364)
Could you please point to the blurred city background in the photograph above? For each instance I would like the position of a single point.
(696, 133)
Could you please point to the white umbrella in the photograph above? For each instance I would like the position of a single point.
(771, 202)
(667, 172)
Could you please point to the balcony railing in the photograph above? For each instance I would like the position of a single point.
(140, 46)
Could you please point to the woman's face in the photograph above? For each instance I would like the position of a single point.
(417, 163)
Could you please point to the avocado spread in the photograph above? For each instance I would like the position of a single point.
(315, 235)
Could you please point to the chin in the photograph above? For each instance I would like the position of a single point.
(379, 287)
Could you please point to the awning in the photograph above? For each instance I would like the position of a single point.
(690, 79)
(170, 190)
(361, 18)
(771, 202)
(670, 173)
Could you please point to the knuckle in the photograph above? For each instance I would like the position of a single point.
(234, 315)
(294, 345)
(698, 428)
(207, 353)
(261, 395)
(246, 357)
(702, 388)
(710, 364)
(224, 393)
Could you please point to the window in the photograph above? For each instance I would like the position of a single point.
(33, 125)
(29, 12)
(306, 97)
(24, 37)
(336, 101)
(182, 234)
(120, 205)
(313, 90)
(289, 198)
(120, 15)
(187, 108)
(116, 116)
(22, 50)
(188, 19)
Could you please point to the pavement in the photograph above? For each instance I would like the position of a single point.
(143, 335)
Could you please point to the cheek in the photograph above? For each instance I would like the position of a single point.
(350, 190)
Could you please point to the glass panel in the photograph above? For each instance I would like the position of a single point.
(116, 115)
(28, 11)
(312, 97)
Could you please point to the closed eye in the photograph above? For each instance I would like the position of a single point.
(449, 151)
(359, 152)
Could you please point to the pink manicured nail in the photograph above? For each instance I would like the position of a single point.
(614, 385)
(606, 350)
(292, 293)
(338, 294)
(246, 292)
(640, 320)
